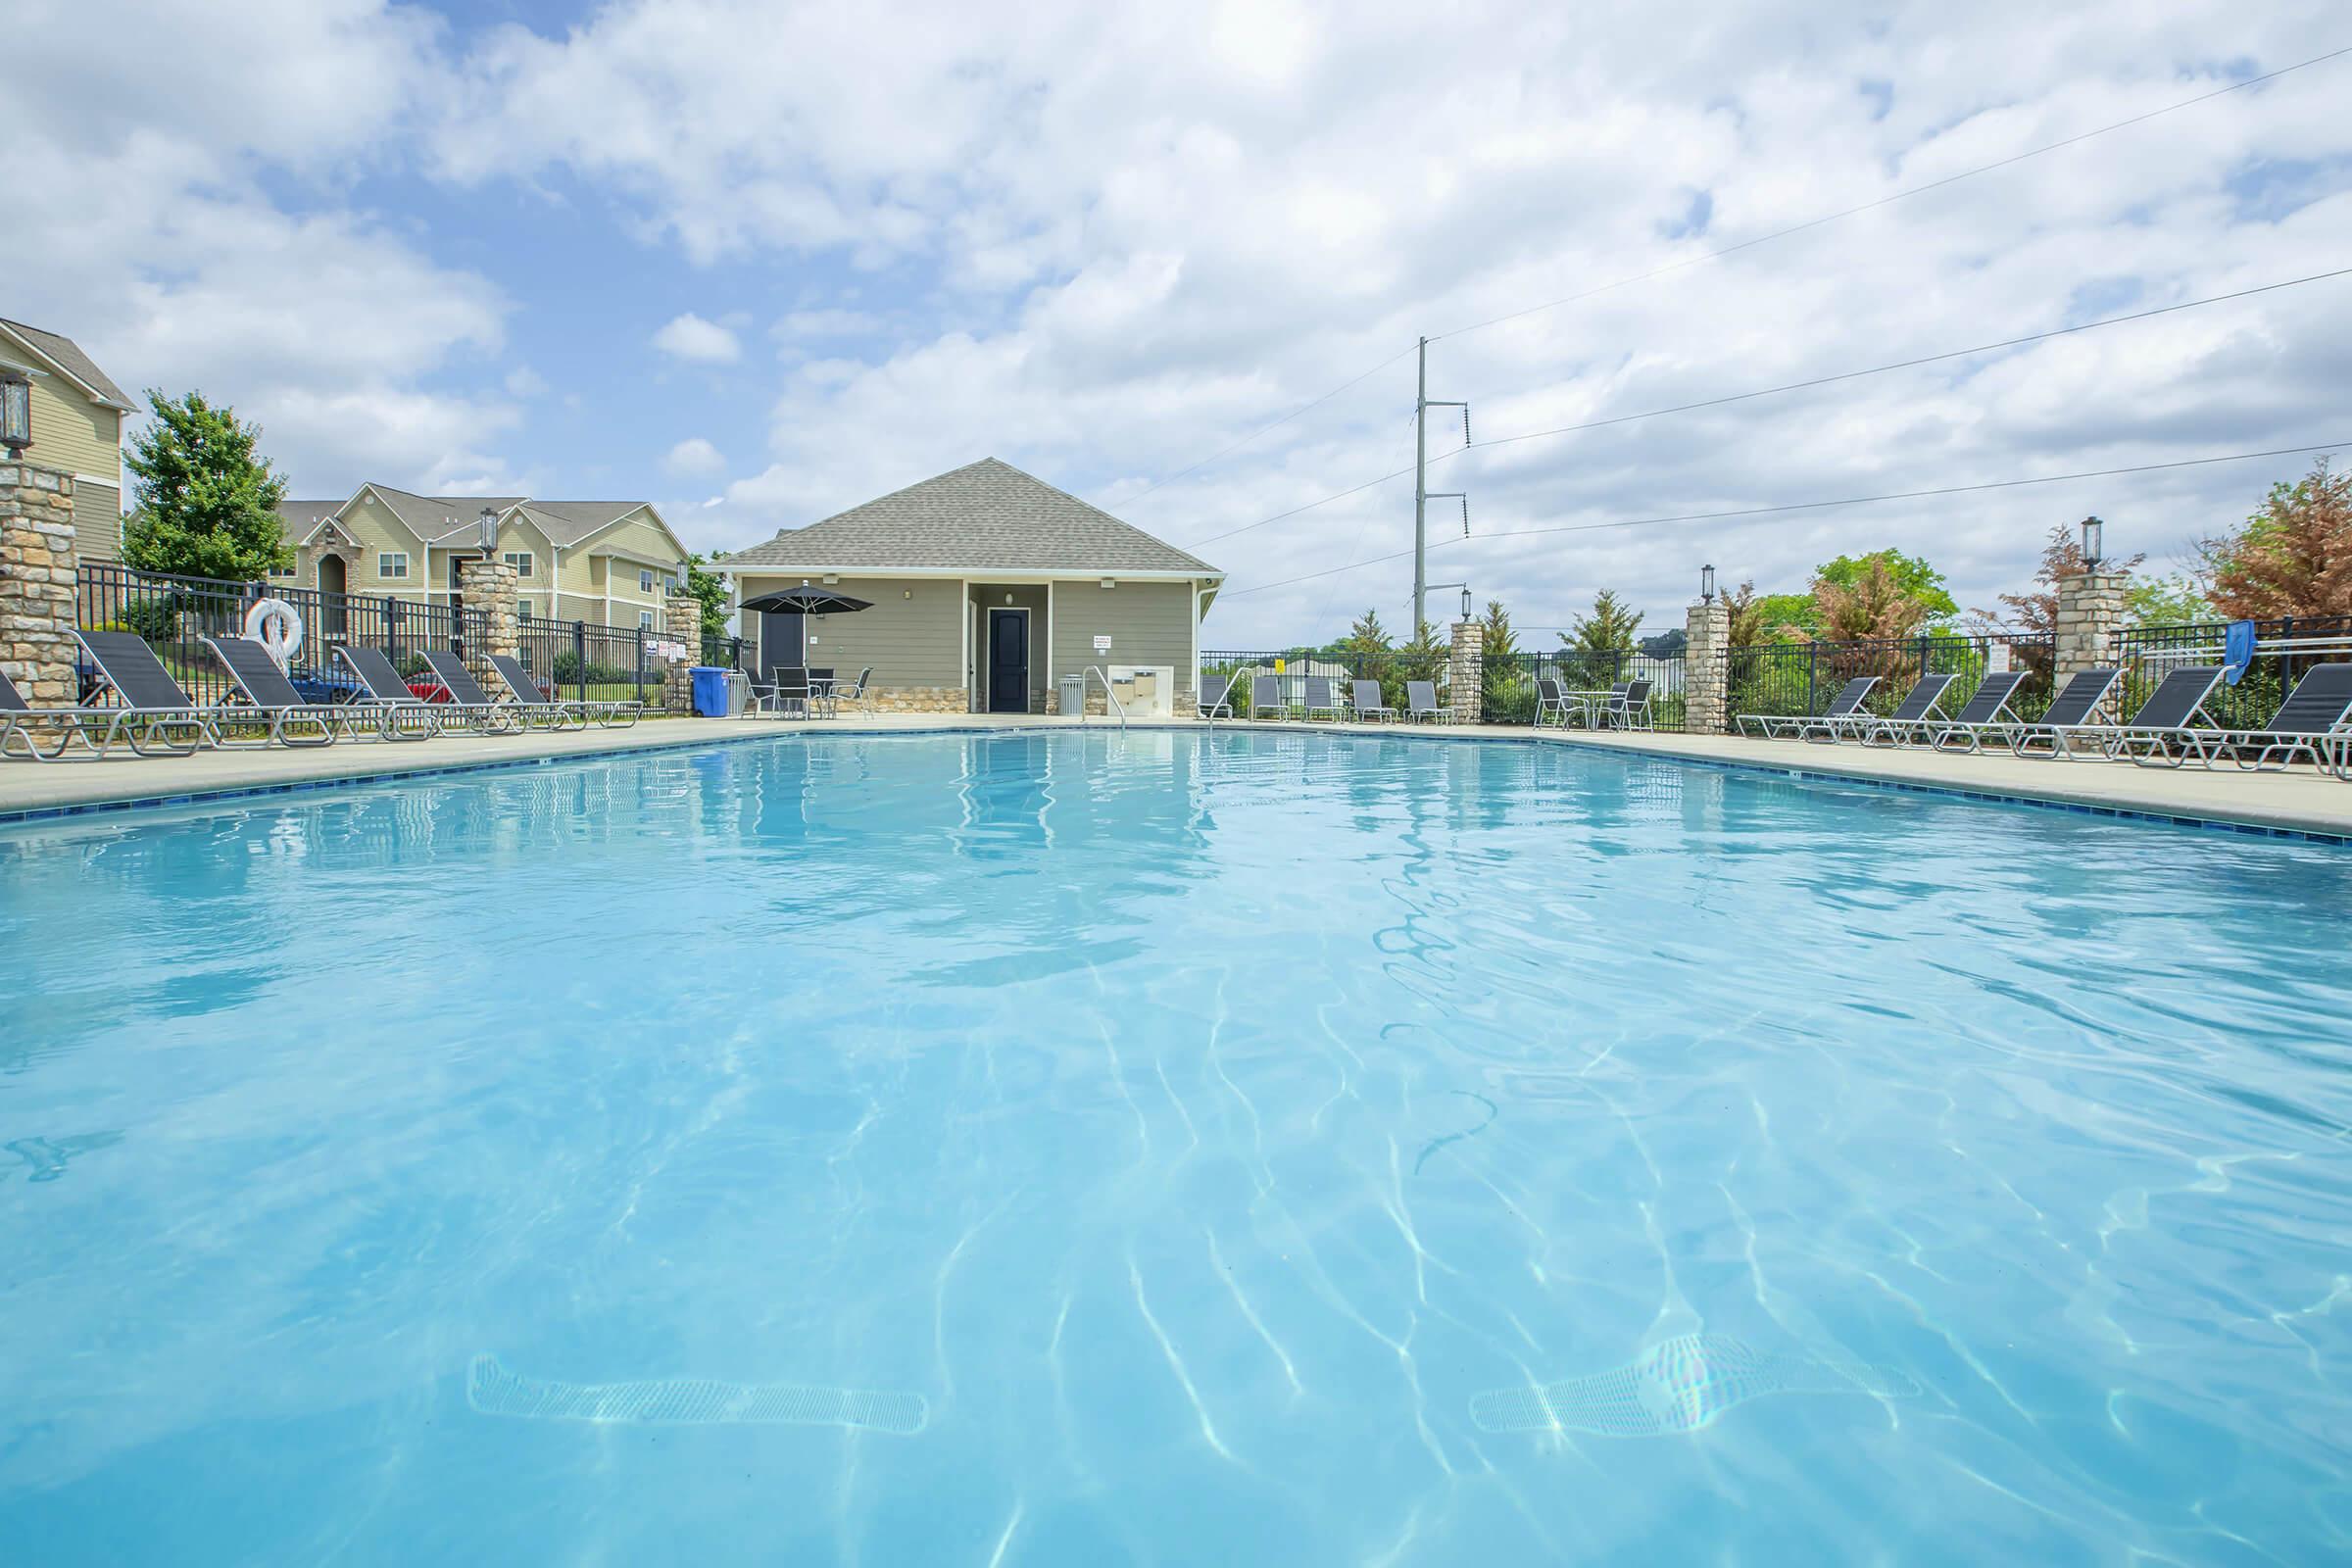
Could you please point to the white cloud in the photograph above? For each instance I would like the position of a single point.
(689, 337)
(526, 384)
(692, 458)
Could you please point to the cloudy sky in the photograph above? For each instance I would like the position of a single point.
(758, 262)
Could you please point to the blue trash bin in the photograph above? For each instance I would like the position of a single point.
(710, 692)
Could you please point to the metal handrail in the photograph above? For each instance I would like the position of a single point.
(1109, 695)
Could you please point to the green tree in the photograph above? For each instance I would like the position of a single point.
(712, 589)
(1911, 578)
(2292, 558)
(2175, 601)
(207, 498)
(1784, 617)
(1423, 658)
(1499, 641)
(1609, 629)
(1873, 602)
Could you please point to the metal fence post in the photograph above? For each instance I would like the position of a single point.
(640, 692)
(579, 654)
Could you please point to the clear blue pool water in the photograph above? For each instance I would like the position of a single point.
(1240, 1150)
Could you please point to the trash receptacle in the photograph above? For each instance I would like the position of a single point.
(710, 692)
(1073, 695)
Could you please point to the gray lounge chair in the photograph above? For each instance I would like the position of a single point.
(1421, 702)
(1321, 699)
(2163, 732)
(466, 694)
(554, 712)
(1911, 718)
(399, 714)
(2318, 709)
(1988, 707)
(1266, 698)
(154, 709)
(23, 726)
(292, 719)
(1843, 708)
(1216, 698)
(2074, 709)
(1365, 698)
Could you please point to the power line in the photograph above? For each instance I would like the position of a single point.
(1814, 506)
(1905, 365)
(1791, 386)
(1900, 195)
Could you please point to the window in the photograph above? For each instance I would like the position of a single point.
(520, 561)
(669, 584)
(645, 580)
(645, 620)
(390, 563)
(292, 568)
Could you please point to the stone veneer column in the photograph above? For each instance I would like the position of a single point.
(37, 577)
(488, 587)
(682, 623)
(1707, 668)
(1466, 673)
(2090, 612)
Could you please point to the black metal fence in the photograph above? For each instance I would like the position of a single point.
(174, 615)
(1803, 678)
(2150, 653)
(1292, 668)
(1510, 681)
(573, 659)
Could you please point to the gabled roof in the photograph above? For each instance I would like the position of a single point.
(300, 518)
(985, 516)
(66, 356)
(433, 518)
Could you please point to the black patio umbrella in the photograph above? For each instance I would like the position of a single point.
(808, 601)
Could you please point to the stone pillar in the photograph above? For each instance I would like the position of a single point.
(37, 582)
(488, 587)
(1466, 672)
(681, 623)
(2090, 612)
(1707, 668)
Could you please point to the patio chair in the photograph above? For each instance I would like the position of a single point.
(1986, 707)
(1421, 702)
(1589, 705)
(404, 713)
(2319, 709)
(784, 692)
(154, 709)
(1266, 698)
(466, 694)
(1216, 698)
(23, 725)
(2165, 731)
(1842, 707)
(1365, 696)
(535, 701)
(1320, 698)
(2074, 709)
(1552, 698)
(857, 691)
(1911, 718)
(1627, 707)
(293, 721)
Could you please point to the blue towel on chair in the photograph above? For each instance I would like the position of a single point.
(2238, 649)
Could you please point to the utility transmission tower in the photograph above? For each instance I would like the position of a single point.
(1421, 496)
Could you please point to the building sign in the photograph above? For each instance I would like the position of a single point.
(1102, 645)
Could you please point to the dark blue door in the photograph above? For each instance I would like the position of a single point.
(1008, 661)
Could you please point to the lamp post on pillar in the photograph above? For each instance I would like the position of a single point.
(1706, 661)
(2090, 608)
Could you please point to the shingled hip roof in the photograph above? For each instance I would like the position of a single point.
(985, 516)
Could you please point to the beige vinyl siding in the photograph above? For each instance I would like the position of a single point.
(642, 540)
(70, 431)
(97, 520)
(911, 635)
(580, 606)
(992, 596)
(1148, 624)
(371, 524)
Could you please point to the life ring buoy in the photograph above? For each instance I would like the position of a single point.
(277, 626)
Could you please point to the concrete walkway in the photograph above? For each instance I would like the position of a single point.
(2299, 802)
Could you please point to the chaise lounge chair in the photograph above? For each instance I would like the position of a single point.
(292, 720)
(399, 714)
(1988, 707)
(1421, 702)
(2074, 709)
(1369, 706)
(154, 709)
(1842, 707)
(22, 727)
(1909, 721)
(1320, 698)
(558, 712)
(2320, 709)
(2165, 732)
(1215, 698)
(1266, 698)
(466, 694)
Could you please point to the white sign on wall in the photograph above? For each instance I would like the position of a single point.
(1102, 645)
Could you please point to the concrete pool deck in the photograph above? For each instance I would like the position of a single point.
(2300, 802)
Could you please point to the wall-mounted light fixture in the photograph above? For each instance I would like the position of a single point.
(16, 411)
(1110, 582)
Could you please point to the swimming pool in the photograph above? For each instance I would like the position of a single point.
(1248, 1149)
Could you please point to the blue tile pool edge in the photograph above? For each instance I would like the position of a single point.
(239, 792)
